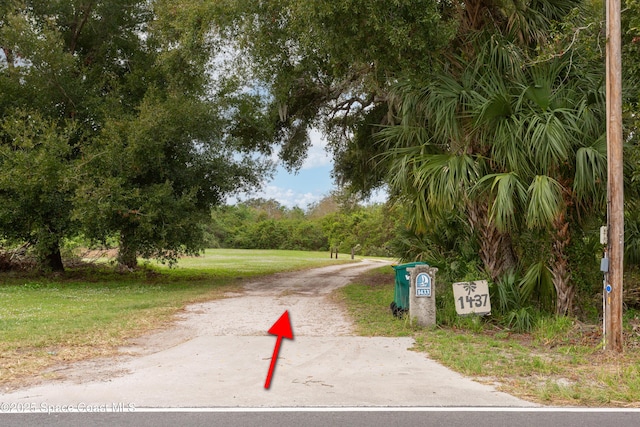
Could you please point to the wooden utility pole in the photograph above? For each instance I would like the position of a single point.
(615, 186)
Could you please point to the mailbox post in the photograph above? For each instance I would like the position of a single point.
(422, 297)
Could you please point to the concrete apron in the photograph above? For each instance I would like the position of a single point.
(229, 371)
(311, 371)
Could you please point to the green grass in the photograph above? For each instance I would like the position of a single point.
(369, 307)
(89, 312)
(245, 262)
(560, 363)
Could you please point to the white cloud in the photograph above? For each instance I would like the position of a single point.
(288, 197)
(285, 196)
(317, 154)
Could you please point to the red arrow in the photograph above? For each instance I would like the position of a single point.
(282, 328)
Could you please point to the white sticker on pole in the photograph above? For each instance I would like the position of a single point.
(472, 298)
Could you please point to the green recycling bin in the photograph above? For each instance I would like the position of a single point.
(400, 302)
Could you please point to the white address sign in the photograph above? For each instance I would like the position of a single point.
(472, 298)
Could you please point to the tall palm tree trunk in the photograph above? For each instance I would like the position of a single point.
(560, 270)
(496, 247)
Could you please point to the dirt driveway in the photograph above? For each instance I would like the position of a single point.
(218, 354)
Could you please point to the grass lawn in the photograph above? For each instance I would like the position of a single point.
(560, 363)
(91, 311)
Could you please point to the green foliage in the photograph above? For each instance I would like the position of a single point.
(265, 224)
(446, 314)
(632, 237)
(369, 228)
(537, 283)
(585, 254)
(630, 52)
(446, 241)
(506, 295)
(282, 234)
(156, 175)
(520, 320)
(513, 141)
(36, 183)
(552, 329)
(326, 64)
(142, 151)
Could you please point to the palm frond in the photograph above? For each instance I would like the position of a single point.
(444, 108)
(545, 201)
(399, 137)
(508, 148)
(509, 195)
(433, 182)
(590, 179)
(444, 176)
(549, 140)
(538, 283)
(506, 293)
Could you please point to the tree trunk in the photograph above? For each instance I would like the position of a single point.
(8, 54)
(53, 259)
(127, 252)
(560, 267)
(496, 247)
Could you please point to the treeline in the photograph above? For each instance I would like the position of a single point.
(266, 224)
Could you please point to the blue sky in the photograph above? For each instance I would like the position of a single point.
(312, 182)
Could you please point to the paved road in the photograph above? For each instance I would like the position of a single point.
(385, 417)
(218, 355)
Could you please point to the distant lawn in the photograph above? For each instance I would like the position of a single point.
(91, 311)
(245, 262)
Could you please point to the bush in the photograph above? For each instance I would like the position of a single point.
(521, 320)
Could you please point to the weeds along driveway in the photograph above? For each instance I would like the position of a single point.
(218, 354)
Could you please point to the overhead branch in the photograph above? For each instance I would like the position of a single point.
(76, 26)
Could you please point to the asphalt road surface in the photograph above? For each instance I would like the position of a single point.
(454, 417)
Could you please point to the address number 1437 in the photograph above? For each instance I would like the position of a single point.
(472, 298)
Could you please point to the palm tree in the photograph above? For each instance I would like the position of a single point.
(547, 137)
(512, 143)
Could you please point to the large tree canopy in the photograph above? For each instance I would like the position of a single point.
(106, 105)
(331, 64)
(328, 64)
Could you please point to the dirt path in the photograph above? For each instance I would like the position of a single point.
(218, 352)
